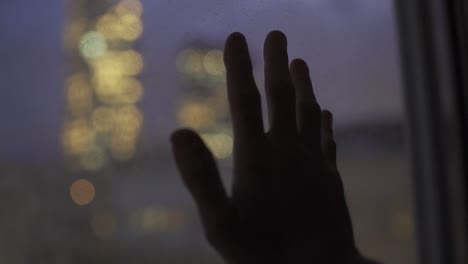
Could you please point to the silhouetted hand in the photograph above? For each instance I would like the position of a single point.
(287, 203)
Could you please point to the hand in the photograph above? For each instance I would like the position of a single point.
(287, 203)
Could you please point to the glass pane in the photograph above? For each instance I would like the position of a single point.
(93, 89)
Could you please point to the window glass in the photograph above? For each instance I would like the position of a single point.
(91, 91)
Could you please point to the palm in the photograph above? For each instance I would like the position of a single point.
(287, 203)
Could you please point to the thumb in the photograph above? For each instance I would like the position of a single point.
(200, 175)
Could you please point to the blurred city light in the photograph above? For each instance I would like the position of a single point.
(213, 62)
(204, 69)
(196, 115)
(220, 144)
(82, 192)
(102, 90)
(93, 45)
(157, 219)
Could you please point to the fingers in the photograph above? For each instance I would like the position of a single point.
(278, 86)
(328, 140)
(200, 175)
(307, 108)
(243, 95)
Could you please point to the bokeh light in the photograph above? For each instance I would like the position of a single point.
(126, 91)
(129, 6)
(82, 192)
(157, 219)
(79, 94)
(104, 123)
(93, 45)
(190, 61)
(77, 137)
(102, 119)
(116, 64)
(213, 62)
(124, 24)
(128, 120)
(220, 144)
(196, 115)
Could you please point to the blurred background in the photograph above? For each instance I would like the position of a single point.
(91, 90)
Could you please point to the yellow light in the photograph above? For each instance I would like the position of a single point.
(102, 119)
(129, 6)
(131, 26)
(123, 146)
(220, 144)
(128, 121)
(213, 62)
(82, 192)
(122, 25)
(107, 68)
(132, 62)
(93, 45)
(128, 118)
(196, 115)
(103, 224)
(106, 25)
(131, 92)
(94, 159)
(79, 94)
(125, 91)
(150, 219)
(190, 61)
(77, 137)
(110, 68)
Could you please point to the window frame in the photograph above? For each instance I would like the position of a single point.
(433, 38)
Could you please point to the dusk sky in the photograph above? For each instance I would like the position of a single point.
(351, 47)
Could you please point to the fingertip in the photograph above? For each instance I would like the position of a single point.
(298, 65)
(184, 135)
(276, 36)
(236, 54)
(185, 141)
(235, 40)
(191, 154)
(299, 62)
(236, 36)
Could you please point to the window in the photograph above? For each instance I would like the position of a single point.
(87, 173)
